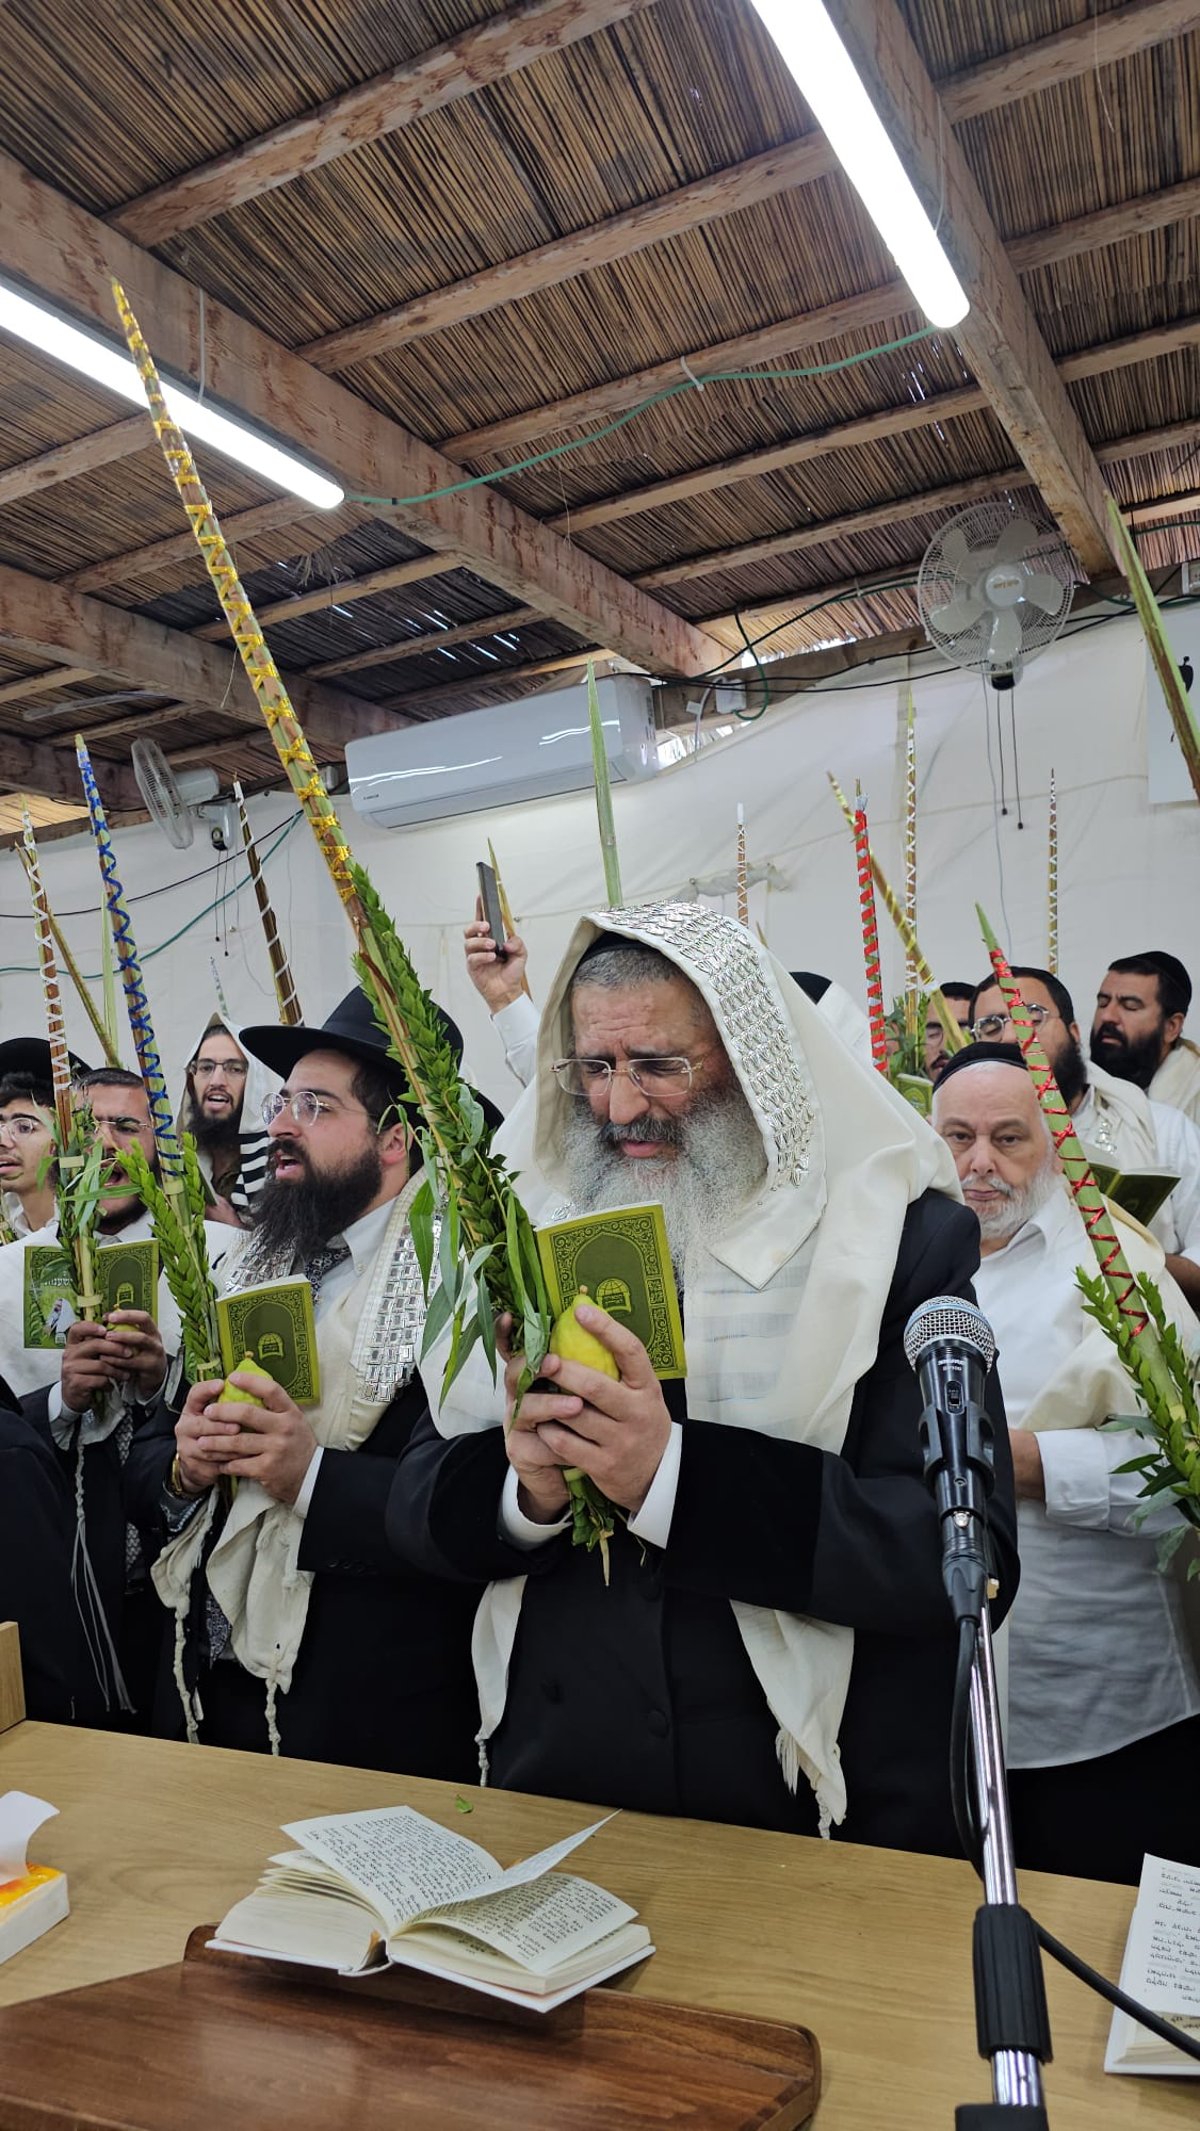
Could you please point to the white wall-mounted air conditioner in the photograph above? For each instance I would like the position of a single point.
(495, 758)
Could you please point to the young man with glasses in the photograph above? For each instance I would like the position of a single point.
(26, 1155)
(222, 1109)
(1116, 1120)
(90, 1402)
(297, 1629)
(774, 1647)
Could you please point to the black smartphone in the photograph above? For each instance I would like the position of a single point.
(489, 896)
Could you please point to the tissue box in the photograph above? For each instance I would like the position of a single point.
(30, 1906)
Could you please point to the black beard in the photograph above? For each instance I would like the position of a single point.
(1070, 1072)
(307, 1214)
(215, 1135)
(1136, 1061)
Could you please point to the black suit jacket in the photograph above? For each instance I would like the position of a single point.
(383, 1678)
(642, 1695)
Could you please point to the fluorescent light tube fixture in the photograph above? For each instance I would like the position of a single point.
(111, 367)
(827, 78)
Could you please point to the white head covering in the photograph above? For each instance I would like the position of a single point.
(253, 1141)
(784, 1303)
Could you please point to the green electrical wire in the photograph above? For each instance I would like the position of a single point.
(93, 977)
(669, 392)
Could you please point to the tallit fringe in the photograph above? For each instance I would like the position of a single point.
(272, 1691)
(792, 1761)
(484, 1763)
(190, 1710)
(97, 1634)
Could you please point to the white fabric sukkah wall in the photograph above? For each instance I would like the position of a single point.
(1129, 868)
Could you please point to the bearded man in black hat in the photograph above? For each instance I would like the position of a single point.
(296, 1628)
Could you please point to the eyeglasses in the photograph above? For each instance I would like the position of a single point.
(232, 1068)
(307, 1109)
(663, 1077)
(18, 1128)
(122, 1127)
(989, 1026)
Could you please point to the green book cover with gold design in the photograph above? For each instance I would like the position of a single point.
(49, 1295)
(127, 1276)
(622, 1258)
(1140, 1191)
(274, 1325)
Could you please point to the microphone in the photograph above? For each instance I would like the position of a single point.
(950, 1345)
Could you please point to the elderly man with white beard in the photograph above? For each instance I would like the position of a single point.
(1104, 1698)
(774, 1647)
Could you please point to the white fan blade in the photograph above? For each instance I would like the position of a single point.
(958, 615)
(1014, 541)
(956, 555)
(1004, 644)
(1044, 591)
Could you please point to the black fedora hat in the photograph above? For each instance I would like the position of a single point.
(353, 1030)
(31, 1055)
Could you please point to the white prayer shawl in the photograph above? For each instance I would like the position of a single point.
(790, 1294)
(1177, 1080)
(366, 1342)
(253, 1140)
(1119, 1128)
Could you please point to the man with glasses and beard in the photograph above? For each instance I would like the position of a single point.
(222, 1109)
(1115, 1120)
(296, 1627)
(774, 1647)
(1137, 1030)
(1104, 1698)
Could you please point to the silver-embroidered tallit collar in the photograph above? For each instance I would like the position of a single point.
(723, 961)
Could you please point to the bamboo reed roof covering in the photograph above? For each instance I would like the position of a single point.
(509, 229)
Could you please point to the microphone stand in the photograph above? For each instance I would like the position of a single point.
(1011, 2019)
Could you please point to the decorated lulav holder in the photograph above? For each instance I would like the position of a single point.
(955, 1036)
(912, 982)
(487, 1254)
(281, 969)
(1052, 884)
(100, 1028)
(870, 933)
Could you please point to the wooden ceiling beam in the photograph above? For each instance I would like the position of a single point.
(39, 618)
(1138, 217)
(866, 429)
(999, 336)
(1100, 41)
(413, 647)
(180, 547)
(707, 199)
(65, 462)
(56, 247)
(340, 594)
(954, 496)
(44, 684)
(487, 52)
(49, 768)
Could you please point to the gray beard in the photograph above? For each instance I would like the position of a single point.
(1022, 1201)
(719, 1166)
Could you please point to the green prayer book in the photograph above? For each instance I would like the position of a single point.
(1140, 1192)
(916, 1090)
(273, 1323)
(48, 1295)
(622, 1258)
(127, 1276)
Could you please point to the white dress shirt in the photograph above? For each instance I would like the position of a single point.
(1098, 1652)
(364, 1239)
(517, 1026)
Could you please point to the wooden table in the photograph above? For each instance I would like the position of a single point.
(869, 1948)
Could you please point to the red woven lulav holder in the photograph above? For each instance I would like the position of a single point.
(1088, 1198)
(870, 933)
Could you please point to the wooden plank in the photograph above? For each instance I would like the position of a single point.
(177, 547)
(999, 337)
(487, 52)
(890, 422)
(1099, 41)
(12, 1686)
(1110, 225)
(412, 647)
(37, 617)
(49, 767)
(82, 455)
(955, 495)
(342, 594)
(49, 242)
(44, 684)
(706, 199)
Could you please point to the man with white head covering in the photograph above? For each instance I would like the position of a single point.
(775, 1647)
(222, 1109)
